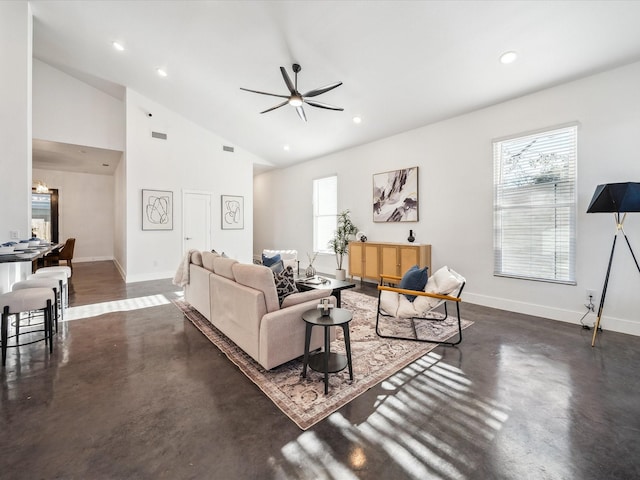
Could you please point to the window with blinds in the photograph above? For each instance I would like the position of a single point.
(325, 212)
(535, 206)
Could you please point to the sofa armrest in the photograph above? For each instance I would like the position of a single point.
(301, 297)
(282, 334)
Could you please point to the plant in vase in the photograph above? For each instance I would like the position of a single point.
(311, 271)
(339, 244)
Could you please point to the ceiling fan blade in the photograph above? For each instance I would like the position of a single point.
(318, 91)
(313, 103)
(264, 93)
(287, 80)
(301, 114)
(277, 106)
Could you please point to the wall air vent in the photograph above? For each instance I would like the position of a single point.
(227, 149)
(161, 136)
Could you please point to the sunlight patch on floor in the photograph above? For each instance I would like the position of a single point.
(427, 392)
(95, 309)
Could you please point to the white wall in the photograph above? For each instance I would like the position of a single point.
(190, 159)
(70, 111)
(15, 119)
(85, 210)
(456, 195)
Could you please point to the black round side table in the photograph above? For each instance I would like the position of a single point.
(327, 361)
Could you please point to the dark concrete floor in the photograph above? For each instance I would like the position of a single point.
(141, 394)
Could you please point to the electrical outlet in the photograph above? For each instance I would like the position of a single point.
(14, 234)
(591, 294)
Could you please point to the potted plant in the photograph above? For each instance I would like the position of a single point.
(340, 241)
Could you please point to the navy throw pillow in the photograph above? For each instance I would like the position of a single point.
(277, 267)
(268, 261)
(415, 279)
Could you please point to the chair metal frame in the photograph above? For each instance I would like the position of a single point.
(392, 279)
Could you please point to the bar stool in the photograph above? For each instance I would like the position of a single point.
(44, 281)
(57, 268)
(60, 275)
(28, 300)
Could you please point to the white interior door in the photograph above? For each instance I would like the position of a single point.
(196, 216)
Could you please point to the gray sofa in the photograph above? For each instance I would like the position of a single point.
(241, 301)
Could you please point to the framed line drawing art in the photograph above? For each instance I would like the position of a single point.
(232, 212)
(157, 210)
(395, 196)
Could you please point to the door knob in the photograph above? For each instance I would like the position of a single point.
(188, 238)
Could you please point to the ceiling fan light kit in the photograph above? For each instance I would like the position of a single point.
(295, 98)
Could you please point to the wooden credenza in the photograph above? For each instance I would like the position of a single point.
(372, 259)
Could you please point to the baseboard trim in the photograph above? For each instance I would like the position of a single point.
(144, 277)
(620, 325)
(91, 259)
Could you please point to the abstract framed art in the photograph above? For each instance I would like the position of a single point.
(157, 210)
(395, 196)
(232, 212)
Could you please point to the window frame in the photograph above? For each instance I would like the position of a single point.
(317, 183)
(535, 184)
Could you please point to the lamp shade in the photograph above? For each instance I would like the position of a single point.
(616, 197)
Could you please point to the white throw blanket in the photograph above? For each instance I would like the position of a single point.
(181, 278)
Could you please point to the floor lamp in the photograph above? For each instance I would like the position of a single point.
(614, 198)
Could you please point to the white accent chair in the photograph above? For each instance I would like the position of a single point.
(443, 287)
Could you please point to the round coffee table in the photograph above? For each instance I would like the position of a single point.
(327, 361)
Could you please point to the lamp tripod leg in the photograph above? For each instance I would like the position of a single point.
(604, 292)
(631, 250)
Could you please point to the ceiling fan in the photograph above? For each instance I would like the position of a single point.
(295, 98)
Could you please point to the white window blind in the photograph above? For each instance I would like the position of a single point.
(535, 206)
(325, 212)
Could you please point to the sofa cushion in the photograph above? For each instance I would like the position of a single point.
(196, 258)
(268, 261)
(289, 257)
(285, 284)
(207, 260)
(224, 267)
(259, 278)
(414, 279)
(277, 267)
(444, 281)
(301, 297)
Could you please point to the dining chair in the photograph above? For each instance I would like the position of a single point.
(65, 253)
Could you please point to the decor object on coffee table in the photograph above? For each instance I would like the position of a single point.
(614, 198)
(393, 302)
(395, 196)
(310, 271)
(330, 284)
(339, 244)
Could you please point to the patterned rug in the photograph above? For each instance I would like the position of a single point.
(374, 360)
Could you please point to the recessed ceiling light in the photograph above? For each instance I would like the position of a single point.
(118, 46)
(508, 57)
(357, 119)
(286, 148)
(161, 72)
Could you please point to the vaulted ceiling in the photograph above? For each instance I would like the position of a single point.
(403, 64)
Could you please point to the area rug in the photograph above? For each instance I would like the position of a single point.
(374, 360)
